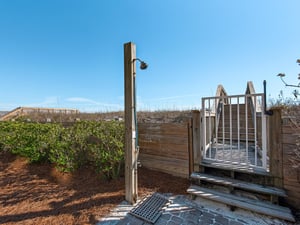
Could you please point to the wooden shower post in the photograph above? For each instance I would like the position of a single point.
(131, 187)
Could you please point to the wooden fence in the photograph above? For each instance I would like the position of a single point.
(168, 147)
(284, 145)
(22, 111)
(165, 147)
(291, 157)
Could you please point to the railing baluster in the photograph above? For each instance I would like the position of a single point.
(203, 130)
(240, 130)
(246, 120)
(217, 116)
(230, 128)
(255, 133)
(223, 128)
(264, 136)
(209, 127)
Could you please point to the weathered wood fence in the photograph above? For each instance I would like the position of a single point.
(165, 147)
(174, 148)
(284, 145)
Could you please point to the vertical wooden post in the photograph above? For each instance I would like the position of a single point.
(190, 146)
(275, 148)
(130, 126)
(196, 140)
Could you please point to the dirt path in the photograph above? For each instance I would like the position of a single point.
(39, 194)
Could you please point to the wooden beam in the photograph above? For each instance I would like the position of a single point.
(196, 140)
(275, 147)
(131, 192)
(190, 145)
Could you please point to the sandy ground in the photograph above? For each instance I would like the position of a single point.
(39, 194)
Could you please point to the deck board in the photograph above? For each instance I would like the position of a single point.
(243, 203)
(239, 184)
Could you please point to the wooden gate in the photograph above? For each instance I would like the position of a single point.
(233, 131)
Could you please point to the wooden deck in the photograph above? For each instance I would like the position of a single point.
(235, 156)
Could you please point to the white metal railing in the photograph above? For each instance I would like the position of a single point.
(233, 130)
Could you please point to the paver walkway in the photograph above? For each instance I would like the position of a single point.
(182, 210)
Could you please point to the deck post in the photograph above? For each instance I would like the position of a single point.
(131, 192)
(275, 148)
(196, 140)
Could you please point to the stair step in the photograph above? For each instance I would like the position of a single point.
(232, 167)
(239, 184)
(243, 203)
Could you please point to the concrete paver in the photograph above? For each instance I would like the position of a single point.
(183, 210)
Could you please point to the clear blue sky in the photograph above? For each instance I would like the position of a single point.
(69, 53)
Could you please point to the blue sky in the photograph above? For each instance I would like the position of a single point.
(69, 53)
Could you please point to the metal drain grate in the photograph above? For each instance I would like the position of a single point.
(150, 208)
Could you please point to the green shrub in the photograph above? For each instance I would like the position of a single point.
(26, 139)
(60, 152)
(107, 148)
(87, 143)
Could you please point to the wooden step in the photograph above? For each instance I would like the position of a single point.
(243, 203)
(232, 167)
(239, 184)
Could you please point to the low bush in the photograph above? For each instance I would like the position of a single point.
(86, 143)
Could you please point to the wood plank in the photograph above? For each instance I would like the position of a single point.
(288, 129)
(293, 189)
(239, 184)
(167, 161)
(170, 155)
(190, 145)
(163, 128)
(173, 166)
(289, 138)
(237, 168)
(197, 156)
(168, 139)
(158, 136)
(164, 144)
(162, 139)
(244, 203)
(159, 128)
(275, 146)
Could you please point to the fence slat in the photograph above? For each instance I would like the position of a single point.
(165, 147)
